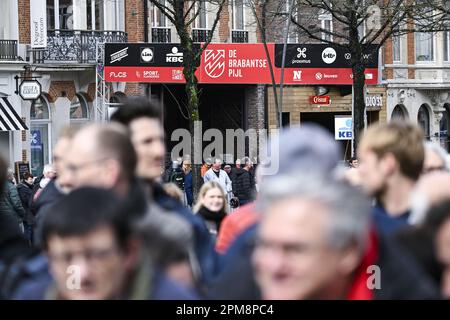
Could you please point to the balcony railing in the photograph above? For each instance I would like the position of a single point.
(8, 50)
(200, 35)
(161, 35)
(239, 36)
(75, 46)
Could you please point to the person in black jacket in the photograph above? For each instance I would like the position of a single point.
(244, 182)
(25, 189)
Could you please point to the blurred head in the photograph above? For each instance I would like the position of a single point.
(49, 171)
(227, 169)
(212, 197)
(28, 178)
(431, 189)
(187, 165)
(354, 162)
(143, 120)
(238, 163)
(311, 148)
(436, 228)
(208, 162)
(61, 148)
(217, 164)
(311, 238)
(435, 158)
(247, 163)
(100, 156)
(390, 150)
(173, 191)
(10, 174)
(86, 238)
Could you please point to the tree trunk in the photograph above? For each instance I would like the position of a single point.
(193, 104)
(358, 102)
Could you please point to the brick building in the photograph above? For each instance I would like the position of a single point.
(221, 106)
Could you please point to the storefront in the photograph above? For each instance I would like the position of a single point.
(301, 104)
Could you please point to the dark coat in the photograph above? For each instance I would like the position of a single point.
(25, 190)
(10, 203)
(204, 247)
(188, 188)
(49, 195)
(243, 184)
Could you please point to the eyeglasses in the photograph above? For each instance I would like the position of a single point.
(290, 250)
(74, 168)
(433, 169)
(91, 256)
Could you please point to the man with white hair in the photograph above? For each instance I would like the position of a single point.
(315, 242)
(431, 189)
(435, 158)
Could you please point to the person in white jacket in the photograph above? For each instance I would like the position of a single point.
(215, 173)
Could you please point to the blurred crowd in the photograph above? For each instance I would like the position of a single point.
(105, 222)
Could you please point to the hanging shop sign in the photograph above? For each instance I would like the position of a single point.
(30, 89)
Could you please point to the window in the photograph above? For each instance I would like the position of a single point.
(159, 19)
(79, 111)
(447, 46)
(293, 32)
(399, 113)
(396, 42)
(326, 21)
(328, 26)
(423, 118)
(424, 41)
(78, 108)
(39, 135)
(238, 14)
(446, 34)
(60, 14)
(201, 19)
(424, 46)
(396, 49)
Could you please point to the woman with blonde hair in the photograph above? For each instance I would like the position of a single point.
(211, 205)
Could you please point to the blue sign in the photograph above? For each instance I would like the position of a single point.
(343, 128)
(35, 137)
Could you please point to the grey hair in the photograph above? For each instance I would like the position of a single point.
(48, 168)
(441, 153)
(348, 208)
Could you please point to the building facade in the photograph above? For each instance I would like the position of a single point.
(417, 76)
(66, 70)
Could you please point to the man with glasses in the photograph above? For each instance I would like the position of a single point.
(315, 241)
(100, 156)
(93, 254)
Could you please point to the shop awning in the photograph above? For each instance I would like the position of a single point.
(9, 119)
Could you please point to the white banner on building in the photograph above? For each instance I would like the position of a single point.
(343, 127)
(38, 23)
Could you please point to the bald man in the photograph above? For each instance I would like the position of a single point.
(100, 156)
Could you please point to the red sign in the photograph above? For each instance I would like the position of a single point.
(238, 64)
(319, 100)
